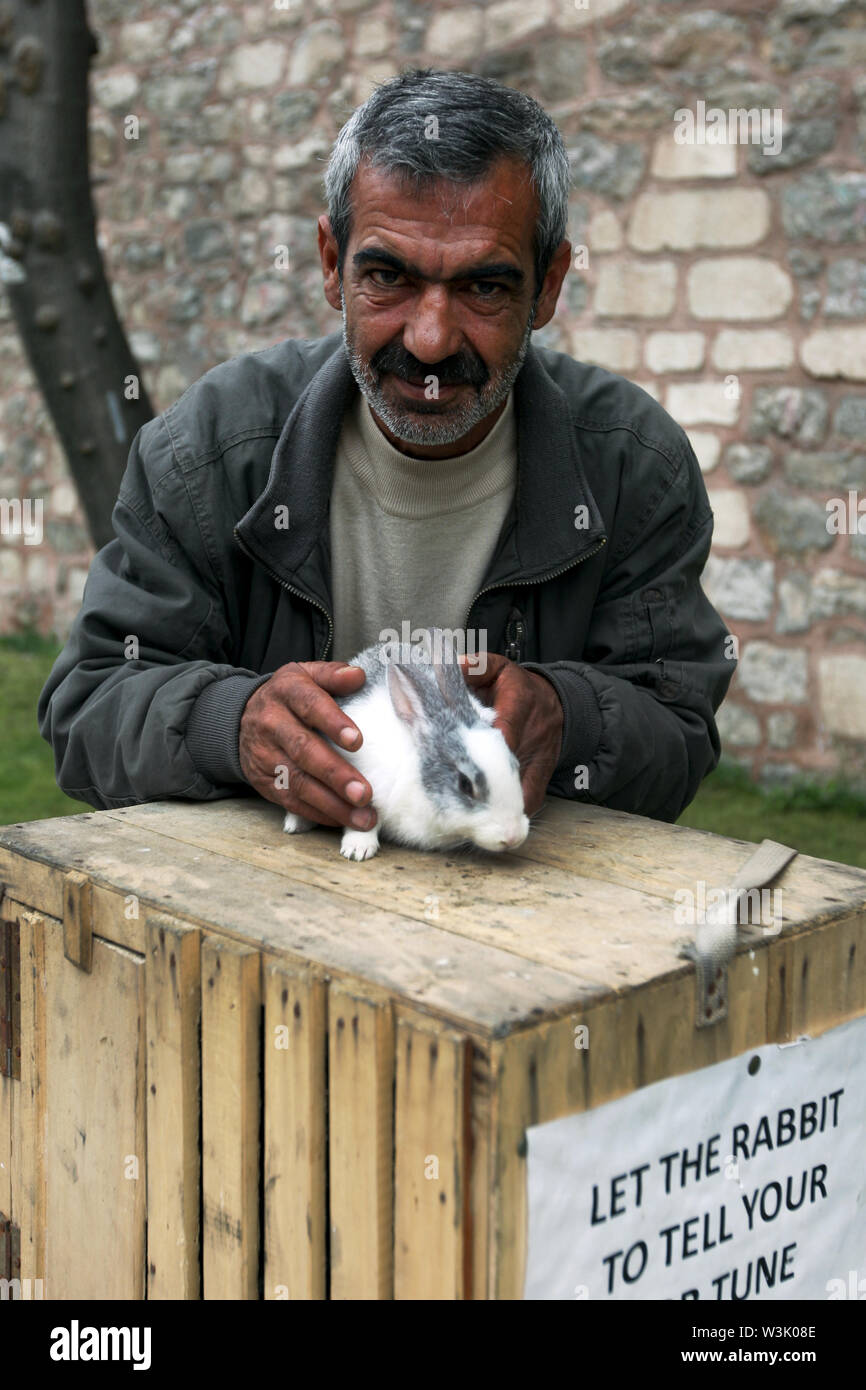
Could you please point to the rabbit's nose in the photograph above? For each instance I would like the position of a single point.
(516, 837)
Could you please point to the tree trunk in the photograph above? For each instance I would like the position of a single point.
(49, 258)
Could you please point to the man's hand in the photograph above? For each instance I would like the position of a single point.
(283, 756)
(530, 716)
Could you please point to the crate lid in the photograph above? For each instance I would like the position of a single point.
(586, 910)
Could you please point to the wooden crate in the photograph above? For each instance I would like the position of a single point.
(238, 1066)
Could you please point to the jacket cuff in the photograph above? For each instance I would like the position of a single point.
(581, 729)
(213, 727)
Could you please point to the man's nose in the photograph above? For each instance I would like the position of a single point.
(431, 333)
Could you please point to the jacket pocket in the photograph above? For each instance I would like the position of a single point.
(655, 614)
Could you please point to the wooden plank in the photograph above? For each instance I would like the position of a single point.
(471, 985)
(634, 851)
(230, 1027)
(605, 934)
(596, 896)
(817, 979)
(544, 915)
(480, 1160)
(9, 1084)
(431, 1152)
(173, 1124)
(587, 842)
(95, 1155)
(10, 1025)
(77, 919)
(28, 1112)
(295, 1157)
(360, 1129)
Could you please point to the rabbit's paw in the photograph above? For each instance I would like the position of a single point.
(296, 825)
(359, 844)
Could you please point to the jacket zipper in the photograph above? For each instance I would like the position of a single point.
(292, 590)
(542, 579)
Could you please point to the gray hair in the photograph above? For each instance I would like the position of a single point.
(477, 121)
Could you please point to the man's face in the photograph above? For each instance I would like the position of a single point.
(438, 297)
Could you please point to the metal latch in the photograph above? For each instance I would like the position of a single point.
(716, 937)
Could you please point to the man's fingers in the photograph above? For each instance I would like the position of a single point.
(307, 797)
(478, 679)
(302, 686)
(303, 808)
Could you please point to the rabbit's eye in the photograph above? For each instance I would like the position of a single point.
(465, 785)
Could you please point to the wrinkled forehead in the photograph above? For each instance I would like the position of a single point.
(443, 219)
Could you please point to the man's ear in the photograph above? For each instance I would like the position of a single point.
(329, 255)
(552, 285)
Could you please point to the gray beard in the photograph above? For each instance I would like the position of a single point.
(442, 425)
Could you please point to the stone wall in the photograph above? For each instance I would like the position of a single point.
(728, 279)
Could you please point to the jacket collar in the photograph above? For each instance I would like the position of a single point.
(544, 531)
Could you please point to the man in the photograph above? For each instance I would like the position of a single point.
(432, 468)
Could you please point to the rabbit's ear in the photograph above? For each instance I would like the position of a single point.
(452, 684)
(405, 695)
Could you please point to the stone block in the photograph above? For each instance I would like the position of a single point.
(835, 352)
(738, 287)
(636, 289)
(842, 681)
(614, 348)
(675, 352)
(702, 403)
(773, 675)
(755, 350)
(731, 525)
(671, 160)
(690, 219)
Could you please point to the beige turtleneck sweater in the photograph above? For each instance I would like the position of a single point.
(411, 539)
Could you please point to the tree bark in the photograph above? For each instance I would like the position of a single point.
(50, 261)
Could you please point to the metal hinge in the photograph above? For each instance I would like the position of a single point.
(715, 940)
(10, 996)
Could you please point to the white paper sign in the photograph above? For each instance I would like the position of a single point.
(742, 1180)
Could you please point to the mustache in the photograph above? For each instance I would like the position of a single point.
(451, 371)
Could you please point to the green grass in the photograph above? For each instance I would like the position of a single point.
(28, 790)
(826, 821)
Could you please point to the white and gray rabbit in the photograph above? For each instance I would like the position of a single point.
(441, 775)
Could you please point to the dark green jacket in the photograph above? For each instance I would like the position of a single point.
(594, 583)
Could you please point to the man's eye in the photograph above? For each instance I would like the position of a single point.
(490, 288)
(387, 284)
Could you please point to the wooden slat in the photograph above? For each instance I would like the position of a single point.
(28, 1112)
(173, 1091)
(360, 1119)
(470, 984)
(230, 1026)
(608, 936)
(95, 1158)
(431, 1161)
(295, 1157)
(78, 919)
(591, 844)
(8, 1083)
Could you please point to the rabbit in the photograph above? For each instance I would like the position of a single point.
(442, 777)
